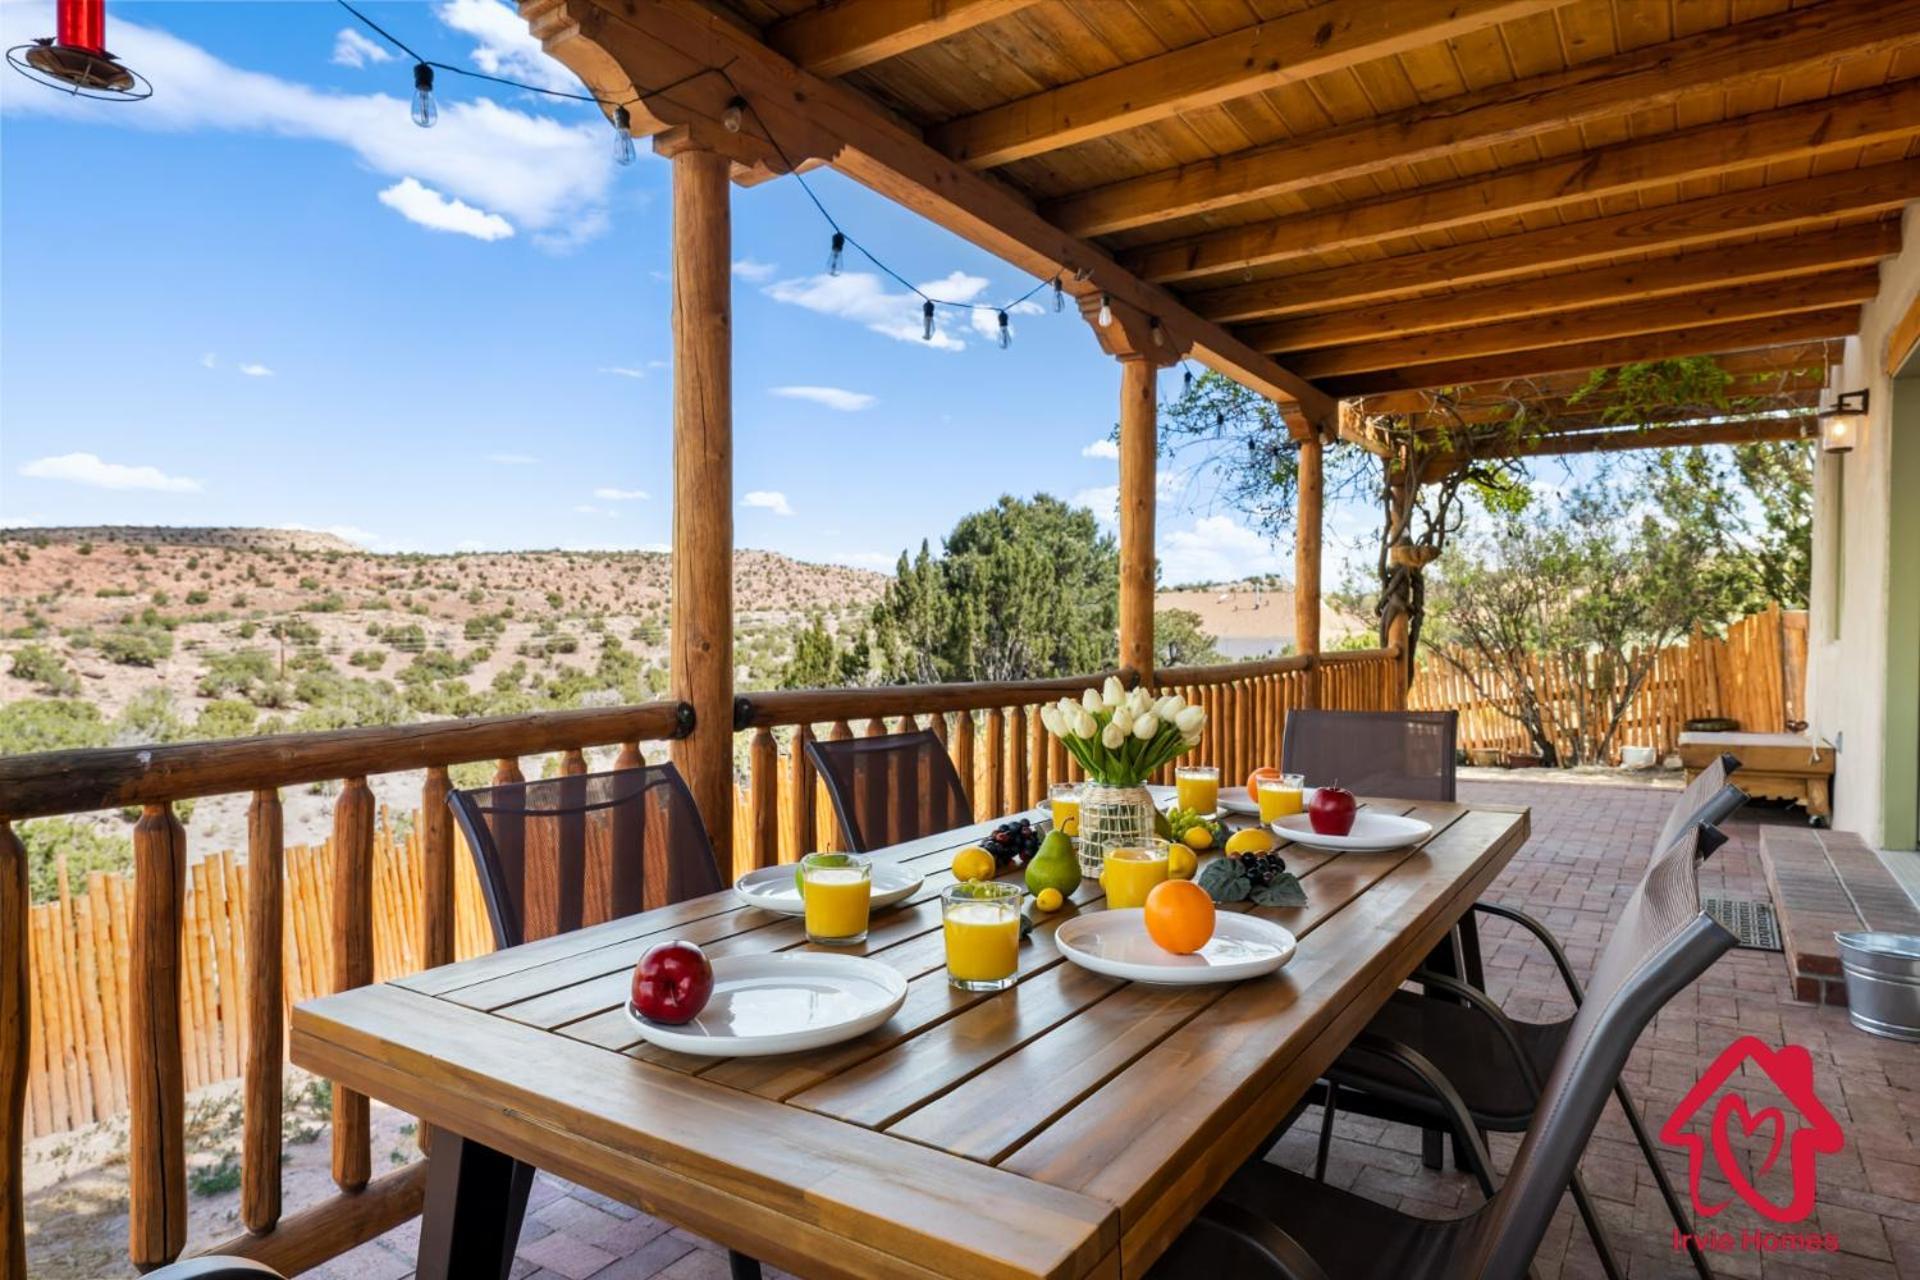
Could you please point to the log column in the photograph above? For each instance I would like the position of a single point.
(1139, 453)
(15, 1051)
(701, 652)
(1306, 561)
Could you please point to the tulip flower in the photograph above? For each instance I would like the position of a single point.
(1092, 701)
(1084, 725)
(1112, 737)
(1191, 719)
(1050, 717)
(1147, 727)
(1113, 693)
(1123, 720)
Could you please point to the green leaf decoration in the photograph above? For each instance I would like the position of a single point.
(1284, 891)
(1026, 925)
(1225, 882)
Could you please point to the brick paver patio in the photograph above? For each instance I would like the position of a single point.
(1589, 843)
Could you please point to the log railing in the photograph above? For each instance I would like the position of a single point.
(153, 778)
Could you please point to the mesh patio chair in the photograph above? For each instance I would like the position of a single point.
(563, 853)
(216, 1269)
(1269, 1222)
(1494, 1063)
(1404, 755)
(890, 789)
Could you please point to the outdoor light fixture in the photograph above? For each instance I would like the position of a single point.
(837, 253)
(1106, 311)
(75, 59)
(730, 119)
(424, 112)
(926, 320)
(1006, 333)
(622, 136)
(1842, 422)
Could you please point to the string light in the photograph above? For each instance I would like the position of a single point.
(837, 253)
(926, 317)
(622, 136)
(1186, 379)
(1159, 335)
(424, 112)
(1059, 297)
(730, 118)
(1006, 332)
(1106, 311)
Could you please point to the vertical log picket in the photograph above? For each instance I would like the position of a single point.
(15, 1049)
(352, 965)
(763, 784)
(266, 1030)
(156, 1097)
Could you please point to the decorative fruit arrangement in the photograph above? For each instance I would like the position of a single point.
(1251, 840)
(1055, 866)
(1189, 828)
(672, 983)
(1265, 773)
(1331, 810)
(1179, 916)
(1013, 842)
(1182, 862)
(1049, 900)
(1259, 875)
(974, 863)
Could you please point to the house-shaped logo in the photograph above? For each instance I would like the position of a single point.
(1816, 1134)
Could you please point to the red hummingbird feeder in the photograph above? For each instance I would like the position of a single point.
(75, 58)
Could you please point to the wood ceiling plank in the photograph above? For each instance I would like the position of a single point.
(1796, 206)
(1727, 57)
(1326, 38)
(833, 39)
(1853, 245)
(1709, 339)
(1551, 443)
(1879, 114)
(1719, 304)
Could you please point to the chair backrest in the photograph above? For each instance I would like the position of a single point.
(1661, 942)
(898, 786)
(561, 853)
(1709, 798)
(1406, 755)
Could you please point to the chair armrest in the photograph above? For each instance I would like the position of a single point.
(1547, 940)
(1480, 1000)
(211, 1267)
(1442, 1090)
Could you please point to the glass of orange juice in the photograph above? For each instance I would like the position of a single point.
(981, 920)
(838, 891)
(1282, 797)
(1064, 797)
(1132, 871)
(1198, 789)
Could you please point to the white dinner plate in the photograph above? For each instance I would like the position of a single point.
(775, 889)
(1372, 832)
(783, 1003)
(1116, 943)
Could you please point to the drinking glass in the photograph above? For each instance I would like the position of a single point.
(981, 920)
(1064, 797)
(838, 891)
(1132, 871)
(1282, 797)
(1198, 789)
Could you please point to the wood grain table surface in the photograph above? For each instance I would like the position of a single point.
(1068, 1126)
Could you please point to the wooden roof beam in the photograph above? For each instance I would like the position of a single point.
(1788, 207)
(1652, 315)
(1643, 80)
(1708, 339)
(1327, 37)
(1622, 439)
(1558, 413)
(1884, 113)
(1859, 244)
(841, 36)
(613, 46)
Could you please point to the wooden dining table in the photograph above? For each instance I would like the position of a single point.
(1071, 1125)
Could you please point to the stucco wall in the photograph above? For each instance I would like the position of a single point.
(1847, 666)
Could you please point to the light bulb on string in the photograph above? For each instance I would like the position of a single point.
(1006, 332)
(837, 253)
(1106, 311)
(1059, 296)
(1186, 381)
(926, 320)
(622, 136)
(731, 118)
(424, 112)
(1153, 327)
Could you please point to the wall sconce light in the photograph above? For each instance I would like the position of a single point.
(1842, 422)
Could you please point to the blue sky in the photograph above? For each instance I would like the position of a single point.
(287, 305)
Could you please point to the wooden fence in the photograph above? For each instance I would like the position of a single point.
(1755, 675)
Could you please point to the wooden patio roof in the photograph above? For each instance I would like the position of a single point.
(1349, 199)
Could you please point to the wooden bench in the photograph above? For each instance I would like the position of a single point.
(1773, 766)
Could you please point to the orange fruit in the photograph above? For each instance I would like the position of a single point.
(1179, 916)
(1253, 779)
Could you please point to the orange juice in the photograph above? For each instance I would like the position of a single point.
(981, 924)
(838, 899)
(1282, 797)
(1064, 797)
(1131, 873)
(1198, 788)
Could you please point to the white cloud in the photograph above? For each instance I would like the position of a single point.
(549, 177)
(430, 209)
(621, 495)
(832, 397)
(1104, 500)
(862, 296)
(89, 469)
(507, 45)
(769, 500)
(1218, 548)
(256, 371)
(865, 559)
(209, 361)
(622, 371)
(351, 49)
(588, 509)
(512, 459)
(753, 271)
(1101, 448)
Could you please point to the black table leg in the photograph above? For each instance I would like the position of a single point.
(476, 1199)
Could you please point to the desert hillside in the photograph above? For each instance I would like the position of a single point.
(1254, 617)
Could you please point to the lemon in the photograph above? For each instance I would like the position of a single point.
(1197, 836)
(1251, 840)
(974, 863)
(1049, 900)
(1181, 860)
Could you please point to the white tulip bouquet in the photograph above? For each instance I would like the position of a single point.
(1121, 738)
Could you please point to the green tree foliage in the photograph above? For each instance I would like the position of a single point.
(149, 717)
(1179, 640)
(1022, 590)
(1750, 509)
(819, 662)
(44, 669)
(225, 718)
(85, 847)
(136, 646)
(49, 724)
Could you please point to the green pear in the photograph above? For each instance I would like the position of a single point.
(1056, 866)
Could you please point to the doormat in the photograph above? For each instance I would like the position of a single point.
(1751, 920)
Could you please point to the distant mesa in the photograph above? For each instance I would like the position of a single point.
(239, 539)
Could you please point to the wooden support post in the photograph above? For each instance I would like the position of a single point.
(701, 656)
(157, 1092)
(801, 788)
(1139, 454)
(266, 1003)
(1306, 561)
(764, 796)
(15, 1050)
(352, 966)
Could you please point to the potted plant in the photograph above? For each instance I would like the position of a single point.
(1120, 739)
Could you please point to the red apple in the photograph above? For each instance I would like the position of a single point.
(672, 983)
(1331, 810)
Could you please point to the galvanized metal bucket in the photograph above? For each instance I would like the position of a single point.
(1883, 982)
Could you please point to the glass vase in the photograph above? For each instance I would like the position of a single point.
(1111, 818)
